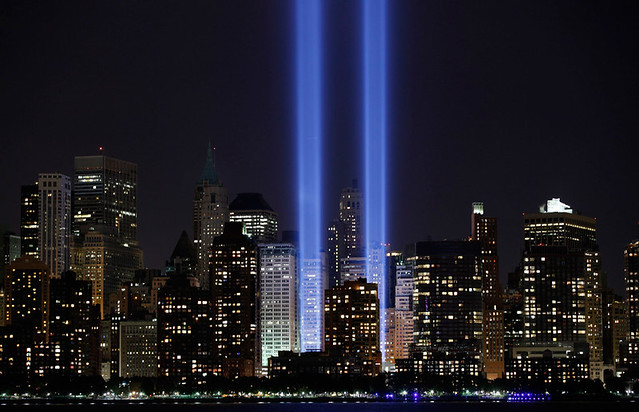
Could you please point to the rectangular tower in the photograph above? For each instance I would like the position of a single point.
(54, 221)
(447, 304)
(278, 300)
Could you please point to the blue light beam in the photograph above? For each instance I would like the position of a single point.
(374, 112)
(309, 151)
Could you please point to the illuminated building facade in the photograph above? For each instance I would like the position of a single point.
(29, 220)
(105, 193)
(631, 255)
(235, 295)
(561, 281)
(447, 306)
(484, 230)
(278, 300)
(105, 248)
(350, 213)
(403, 310)
(210, 212)
(352, 326)
(313, 283)
(54, 221)
(548, 365)
(352, 268)
(100, 257)
(138, 349)
(258, 218)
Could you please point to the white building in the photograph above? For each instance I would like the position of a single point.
(278, 300)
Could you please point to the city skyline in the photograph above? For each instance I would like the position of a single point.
(528, 93)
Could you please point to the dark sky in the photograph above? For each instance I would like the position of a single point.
(509, 103)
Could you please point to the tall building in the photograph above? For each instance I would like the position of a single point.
(447, 305)
(236, 298)
(74, 328)
(9, 248)
(615, 327)
(345, 238)
(138, 349)
(105, 193)
(484, 230)
(29, 220)
(562, 284)
(26, 288)
(278, 300)
(105, 248)
(313, 282)
(258, 218)
(100, 257)
(352, 326)
(631, 256)
(210, 212)
(403, 339)
(185, 332)
(54, 221)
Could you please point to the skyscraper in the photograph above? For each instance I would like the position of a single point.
(9, 248)
(54, 221)
(484, 230)
(631, 255)
(29, 220)
(448, 308)
(105, 248)
(561, 284)
(105, 193)
(278, 300)
(345, 238)
(210, 212)
(257, 216)
(236, 299)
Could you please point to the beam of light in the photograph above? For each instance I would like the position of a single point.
(309, 151)
(374, 112)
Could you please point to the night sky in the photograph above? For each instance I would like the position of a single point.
(509, 103)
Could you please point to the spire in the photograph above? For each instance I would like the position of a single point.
(209, 174)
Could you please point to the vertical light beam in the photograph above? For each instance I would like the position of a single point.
(374, 112)
(309, 151)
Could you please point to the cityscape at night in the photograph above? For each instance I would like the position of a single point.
(390, 202)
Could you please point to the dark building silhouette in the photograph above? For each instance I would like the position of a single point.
(235, 296)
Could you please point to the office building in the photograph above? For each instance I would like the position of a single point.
(484, 230)
(447, 306)
(258, 218)
(26, 288)
(138, 349)
(9, 248)
(54, 221)
(278, 300)
(74, 328)
(29, 220)
(185, 332)
(210, 212)
(235, 295)
(631, 258)
(353, 328)
(561, 283)
(105, 221)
